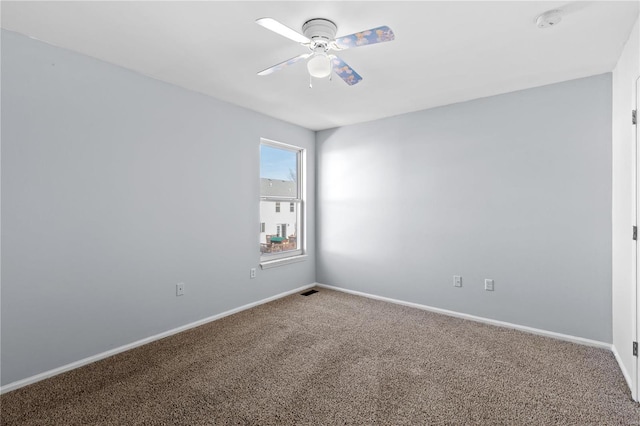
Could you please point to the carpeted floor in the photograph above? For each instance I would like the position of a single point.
(335, 359)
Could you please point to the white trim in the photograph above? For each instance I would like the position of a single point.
(635, 285)
(625, 373)
(106, 354)
(280, 145)
(283, 261)
(560, 336)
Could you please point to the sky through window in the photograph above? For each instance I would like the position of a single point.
(277, 163)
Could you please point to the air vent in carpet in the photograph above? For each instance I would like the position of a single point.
(309, 293)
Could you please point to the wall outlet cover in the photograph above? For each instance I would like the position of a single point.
(488, 285)
(457, 281)
(179, 289)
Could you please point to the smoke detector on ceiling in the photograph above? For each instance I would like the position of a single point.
(550, 18)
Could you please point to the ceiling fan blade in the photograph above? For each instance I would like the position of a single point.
(284, 64)
(283, 30)
(344, 71)
(363, 38)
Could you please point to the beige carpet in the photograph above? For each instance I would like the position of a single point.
(336, 359)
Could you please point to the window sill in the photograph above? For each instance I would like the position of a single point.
(284, 261)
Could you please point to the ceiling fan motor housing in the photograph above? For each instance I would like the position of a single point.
(319, 30)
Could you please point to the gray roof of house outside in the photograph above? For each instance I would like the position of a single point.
(277, 188)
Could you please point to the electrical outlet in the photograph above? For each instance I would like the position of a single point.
(457, 281)
(252, 273)
(179, 289)
(488, 285)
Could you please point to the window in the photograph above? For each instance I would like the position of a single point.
(281, 181)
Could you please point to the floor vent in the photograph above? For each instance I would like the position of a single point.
(309, 293)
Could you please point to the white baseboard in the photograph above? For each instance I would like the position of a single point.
(560, 336)
(45, 375)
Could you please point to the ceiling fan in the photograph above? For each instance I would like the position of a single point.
(319, 38)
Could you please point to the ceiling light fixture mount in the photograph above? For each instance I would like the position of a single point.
(319, 30)
(549, 19)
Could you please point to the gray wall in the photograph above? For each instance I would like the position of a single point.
(515, 187)
(115, 187)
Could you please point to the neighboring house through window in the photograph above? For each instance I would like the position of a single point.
(281, 181)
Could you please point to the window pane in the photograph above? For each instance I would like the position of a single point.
(278, 172)
(280, 232)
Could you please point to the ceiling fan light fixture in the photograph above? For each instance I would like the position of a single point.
(320, 38)
(319, 65)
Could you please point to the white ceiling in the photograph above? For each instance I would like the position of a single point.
(444, 52)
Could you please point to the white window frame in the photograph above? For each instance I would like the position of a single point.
(269, 260)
